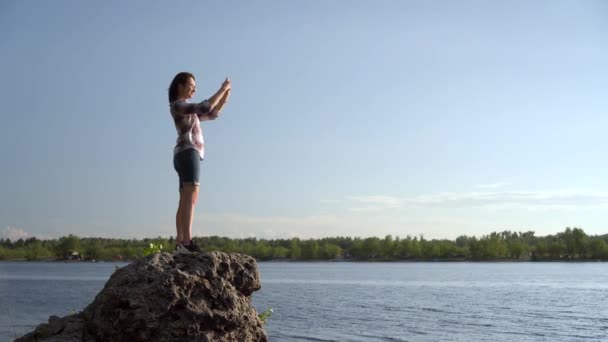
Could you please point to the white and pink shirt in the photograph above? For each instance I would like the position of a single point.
(187, 118)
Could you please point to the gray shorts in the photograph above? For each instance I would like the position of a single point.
(187, 163)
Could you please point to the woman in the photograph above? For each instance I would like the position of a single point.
(189, 150)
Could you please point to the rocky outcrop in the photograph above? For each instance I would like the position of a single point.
(165, 297)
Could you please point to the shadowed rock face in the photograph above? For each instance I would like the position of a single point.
(165, 297)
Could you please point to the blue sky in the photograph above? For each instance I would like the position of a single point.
(351, 118)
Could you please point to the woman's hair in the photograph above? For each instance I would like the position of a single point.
(180, 78)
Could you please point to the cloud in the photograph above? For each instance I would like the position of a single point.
(534, 200)
(530, 200)
(306, 226)
(242, 226)
(13, 234)
(375, 202)
(358, 224)
(491, 186)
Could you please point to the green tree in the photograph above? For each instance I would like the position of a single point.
(387, 248)
(329, 251)
(93, 250)
(67, 245)
(356, 249)
(409, 248)
(516, 249)
(371, 248)
(262, 250)
(230, 247)
(295, 249)
(555, 250)
(310, 249)
(280, 252)
(35, 251)
(489, 247)
(598, 249)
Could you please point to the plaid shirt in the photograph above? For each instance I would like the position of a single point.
(187, 118)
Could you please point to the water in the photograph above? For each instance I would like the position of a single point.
(364, 301)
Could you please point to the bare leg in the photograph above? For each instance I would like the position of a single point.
(185, 213)
(178, 223)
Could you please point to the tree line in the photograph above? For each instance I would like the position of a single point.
(571, 244)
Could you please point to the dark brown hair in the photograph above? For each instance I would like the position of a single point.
(180, 78)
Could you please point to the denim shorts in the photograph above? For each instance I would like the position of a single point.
(187, 163)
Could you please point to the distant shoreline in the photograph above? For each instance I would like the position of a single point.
(332, 261)
(570, 245)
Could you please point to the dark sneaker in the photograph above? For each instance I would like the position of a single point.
(181, 249)
(193, 247)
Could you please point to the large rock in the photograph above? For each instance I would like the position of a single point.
(165, 297)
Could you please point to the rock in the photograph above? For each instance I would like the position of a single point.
(165, 297)
(69, 328)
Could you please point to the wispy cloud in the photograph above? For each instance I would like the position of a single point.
(491, 185)
(242, 226)
(535, 200)
(306, 226)
(375, 202)
(530, 200)
(361, 224)
(13, 233)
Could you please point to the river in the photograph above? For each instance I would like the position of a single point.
(347, 301)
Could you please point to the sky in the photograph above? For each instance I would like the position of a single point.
(346, 118)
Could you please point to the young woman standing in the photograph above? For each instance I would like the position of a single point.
(189, 150)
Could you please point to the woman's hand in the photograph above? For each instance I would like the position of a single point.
(225, 97)
(226, 85)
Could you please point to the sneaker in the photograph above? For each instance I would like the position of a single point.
(193, 247)
(181, 249)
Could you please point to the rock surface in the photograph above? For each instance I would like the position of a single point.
(165, 297)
